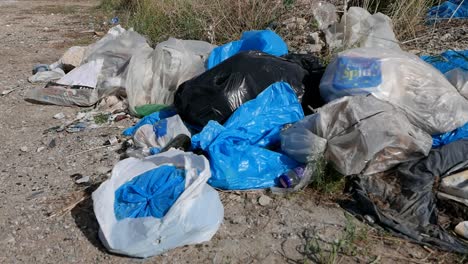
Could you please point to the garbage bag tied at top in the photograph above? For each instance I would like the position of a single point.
(238, 151)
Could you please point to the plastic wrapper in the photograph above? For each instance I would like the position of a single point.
(265, 41)
(153, 76)
(448, 60)
(358, 29)
(194, 217)
(217, 93)
(446, 138)
(404, 80)
(241, 152)
(449, 9)
(403, 200)
(362, 135)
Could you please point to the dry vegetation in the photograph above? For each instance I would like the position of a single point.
(219, 21)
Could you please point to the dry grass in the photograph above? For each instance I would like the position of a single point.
(216, 21)
(407, 15)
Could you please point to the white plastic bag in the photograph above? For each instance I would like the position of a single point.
(358, 28)
(161, 133)
(193, 218)
(153, 76)
(401, 78)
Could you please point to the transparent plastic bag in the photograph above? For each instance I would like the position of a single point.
(153, 76)
(401, 78)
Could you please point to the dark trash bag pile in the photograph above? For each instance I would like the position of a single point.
(217, 93)
(248, 115)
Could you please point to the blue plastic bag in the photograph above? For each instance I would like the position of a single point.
(449, 137)
(238, 151)
(149, 194)
(259, 40)
(449, 9)
(149, 120)
(449, 60)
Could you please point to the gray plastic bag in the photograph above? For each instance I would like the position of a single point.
(363, 135)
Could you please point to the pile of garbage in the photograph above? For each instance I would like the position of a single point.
(249, 115)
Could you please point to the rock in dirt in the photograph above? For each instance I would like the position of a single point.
(73, 56)
(52, 143)
(39, 149)
(264, 200)
(84, 179)
(59, 116)
(24, 149)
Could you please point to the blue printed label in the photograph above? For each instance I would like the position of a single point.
(354, 72)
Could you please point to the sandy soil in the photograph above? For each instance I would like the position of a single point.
(35, 186)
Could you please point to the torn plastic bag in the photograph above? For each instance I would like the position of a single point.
(239, 152)
(404, 80)
(360, 134)
(265, 41)
(446, 138)
(217, 93)
(449, 9)
(449, 60)
(358, 28)
(459, 78)
(160, 133)
(194, 217)
(404, 201)
(152, 77)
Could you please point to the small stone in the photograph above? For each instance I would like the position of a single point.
(59, 116)
(39, 149)
(24, 149)
(84, 179)
(462, 229)
(73, 56)
(313, 48)
(52, 143)
(369, 219)
(264, 200)
(446, 37)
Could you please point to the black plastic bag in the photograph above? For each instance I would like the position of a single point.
(404, 202)
(217, 93)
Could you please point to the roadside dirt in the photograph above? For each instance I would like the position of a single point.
(35, 186)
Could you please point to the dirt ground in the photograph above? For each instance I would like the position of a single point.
(35, 186)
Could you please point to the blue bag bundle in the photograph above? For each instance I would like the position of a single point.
(449, 9)
(150, 194)
(260, 40)
(238, 151)
(449, 137)
(449, 60)
(149, 120)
